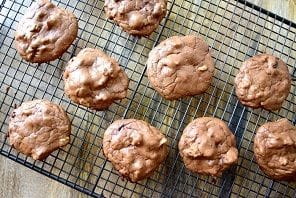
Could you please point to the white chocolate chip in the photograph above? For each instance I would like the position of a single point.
(163, 141)
(66, 139)
(202, 68)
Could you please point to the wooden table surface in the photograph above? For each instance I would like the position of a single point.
(18, 181)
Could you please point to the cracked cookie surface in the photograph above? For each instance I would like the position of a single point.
(180, 66)
(38, 127)
(94, 79)
(263, 81)
(137, 17)
(207, 146)
(275, 149)
(45, 32)
(134, 148)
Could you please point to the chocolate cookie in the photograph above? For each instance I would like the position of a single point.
(263, 81)
(39, 127)
(180, 66)
(94, 79)
(207, 146)
(137, 17)
(45, 32)
(275, 149)
(135, 148)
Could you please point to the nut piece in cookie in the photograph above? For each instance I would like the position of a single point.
(180, 66)
(207, 146)
(137, 17)
(135, 148)
(275, 149)
(94, 79)
(45, 32)
(39, 127)
(263, 81)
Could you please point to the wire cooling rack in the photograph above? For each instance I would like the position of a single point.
(235, 30)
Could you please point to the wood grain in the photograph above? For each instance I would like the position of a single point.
(18, 181)
(284, 8)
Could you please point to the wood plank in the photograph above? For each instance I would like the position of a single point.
(18, 181)
(284, 8)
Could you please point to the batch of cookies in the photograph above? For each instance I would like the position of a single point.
(178, 67)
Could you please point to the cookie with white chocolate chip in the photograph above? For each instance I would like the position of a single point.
(45, 32)
(38, 127)
(263, 81)
(94, 79)
(135, 148)
(207, 146)
(137, 17)
(180, 66)
(275, 149)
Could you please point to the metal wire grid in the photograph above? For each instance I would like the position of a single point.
(235, 30)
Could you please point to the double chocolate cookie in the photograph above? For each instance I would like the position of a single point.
(207, 146)
(180, 66)
(135, 148)
(39, 127)
(94, 79)
(275, 149)
(137, 17)
(263, 81)
(45, 32)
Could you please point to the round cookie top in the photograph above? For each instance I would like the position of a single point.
(135, 148)
(275, 149)
(94, 79)
(263, 81)
(45, 32)
(39, 127)
(180, 66)
(137, 17)
(207, 146)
